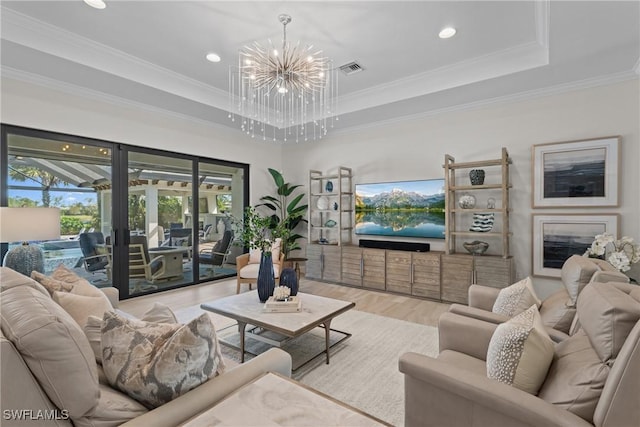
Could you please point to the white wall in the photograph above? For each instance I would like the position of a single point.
(415, 149)
(34, 106)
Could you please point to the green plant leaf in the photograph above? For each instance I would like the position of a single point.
(290, 189)
(277, 177)
(292, 204)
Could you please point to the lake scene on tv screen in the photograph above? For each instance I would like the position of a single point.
(401, 209)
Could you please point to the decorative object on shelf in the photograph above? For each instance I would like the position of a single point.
(571, 232)
(28, 224)
(576, 173)
(269, 78)
(482, 222)
(329, 186)
(323, 241)
(491, 203)
(476, 247)
(467, 201)
(335, 206)
(476, 176)
(266, 281)
(281, 293)
(330, 223)
(290, 305)
(289, 278)
(322, 203)
(620, 253)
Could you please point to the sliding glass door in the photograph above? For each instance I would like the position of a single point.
(142, 220)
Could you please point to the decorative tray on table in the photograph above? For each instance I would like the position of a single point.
(290, 305)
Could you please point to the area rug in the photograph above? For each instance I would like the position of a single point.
(363, 371)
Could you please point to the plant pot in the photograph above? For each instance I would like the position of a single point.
(266, 282)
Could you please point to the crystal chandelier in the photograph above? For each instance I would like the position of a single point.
(287, 94)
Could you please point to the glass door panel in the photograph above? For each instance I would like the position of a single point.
(160, 221)
(220, 194)
(76, 178)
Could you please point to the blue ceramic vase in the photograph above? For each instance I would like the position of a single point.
(289, 278)
(329, 187)
(266, 281)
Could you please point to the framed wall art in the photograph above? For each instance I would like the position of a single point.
(576, 173)
(556, 237)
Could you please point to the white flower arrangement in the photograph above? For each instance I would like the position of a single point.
(281, 293)
(619, 253)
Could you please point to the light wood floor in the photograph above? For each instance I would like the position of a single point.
(399, 307)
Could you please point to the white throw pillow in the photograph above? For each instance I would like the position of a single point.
(520, 352)
(256, 254)
(516, 298)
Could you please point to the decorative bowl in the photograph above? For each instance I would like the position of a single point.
(323, 203)
(330, 223)
(476, 247)
(467, 201)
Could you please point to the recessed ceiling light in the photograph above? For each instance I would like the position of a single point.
(447, 33)
(213, 57)
(98, 4)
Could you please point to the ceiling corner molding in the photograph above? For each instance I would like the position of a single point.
(636, 68)
(38, 35)
(83, 92)
(542, 13)
(507, 61)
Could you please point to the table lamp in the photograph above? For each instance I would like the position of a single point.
(27, 224)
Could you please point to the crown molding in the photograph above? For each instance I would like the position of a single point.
(83, 92)
(636, 68)
(35, 34)
(517, 97)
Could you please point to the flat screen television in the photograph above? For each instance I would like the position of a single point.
(401, 209)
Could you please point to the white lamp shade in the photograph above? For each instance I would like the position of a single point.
(27, 224)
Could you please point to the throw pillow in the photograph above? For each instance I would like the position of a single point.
(50, 284)
(180, 241)
(80, 285)
(556, 311)
(81, 307)
(520, 352)
(256, 254)
(576, 272)
(156, 362)
(516, 298)
(53, 347)
(159, 313)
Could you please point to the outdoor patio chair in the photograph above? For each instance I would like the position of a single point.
(94, 251)
(141, 264)
(220, 251)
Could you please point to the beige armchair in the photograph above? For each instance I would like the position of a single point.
(248, 272)
(558, 309)
(593, 379)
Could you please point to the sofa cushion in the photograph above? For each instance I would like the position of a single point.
(157, 362)
(54, 347)
(520, 352)
(80, 285)
(81, 307)
(556, 312)
(607, 316)
(576, 377)
(158, 313)
(516, 298)
(576, 272)
(10, 278)
(114, 408)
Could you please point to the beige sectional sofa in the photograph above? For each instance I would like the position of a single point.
(49, 376)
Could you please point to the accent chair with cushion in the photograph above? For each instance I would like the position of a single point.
(49, 363)
(592, 379)
(248, 265)
(141, 264)
(218, 254)
(557, 310)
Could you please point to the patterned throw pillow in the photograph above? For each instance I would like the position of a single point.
(516, 298)
(156, 362)
(50, 284)
(520, 352)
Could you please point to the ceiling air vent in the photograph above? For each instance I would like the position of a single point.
(351, 68)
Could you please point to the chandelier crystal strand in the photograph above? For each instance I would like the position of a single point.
(285, 89)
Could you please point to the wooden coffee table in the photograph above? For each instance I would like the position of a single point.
(274, 400)
(246, 309)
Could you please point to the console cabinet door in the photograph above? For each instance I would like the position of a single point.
(497, 272)
(373, 268)
(331, 265)
(352, 266)
(426, 275)
(457, 274)
(399, 271)
(313, 265)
